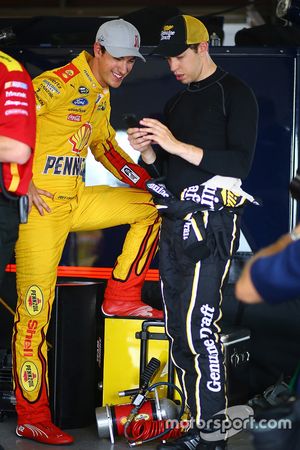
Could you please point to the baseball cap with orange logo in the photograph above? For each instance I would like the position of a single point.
(178, 33)
(120, 38)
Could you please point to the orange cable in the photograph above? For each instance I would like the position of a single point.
(89, 272)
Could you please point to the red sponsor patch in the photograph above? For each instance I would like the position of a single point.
(67, 72)
(30, 332)
(74, 117)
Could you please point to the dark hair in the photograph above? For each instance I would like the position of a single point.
(194, 47)
(102, 49)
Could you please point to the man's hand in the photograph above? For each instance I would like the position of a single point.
(34, 196)
(138, 140)
(156, 132)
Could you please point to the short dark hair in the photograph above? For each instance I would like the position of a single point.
(102, 49)
(194, 47)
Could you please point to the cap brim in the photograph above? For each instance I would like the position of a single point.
(167, 49)
(118, 52)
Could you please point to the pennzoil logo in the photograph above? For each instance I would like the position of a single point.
(80, 139)
(29, 376)
(34, 300)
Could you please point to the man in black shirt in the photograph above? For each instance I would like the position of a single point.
(206, 148)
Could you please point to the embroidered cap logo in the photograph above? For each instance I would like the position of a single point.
(136, 41)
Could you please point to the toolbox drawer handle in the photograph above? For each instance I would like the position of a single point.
(239, 358)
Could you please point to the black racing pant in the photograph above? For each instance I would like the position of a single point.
(192, 292)
(9, 227)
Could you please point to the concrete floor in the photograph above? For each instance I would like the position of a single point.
(87, 439)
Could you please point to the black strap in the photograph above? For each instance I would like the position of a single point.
(5, 192)
(23, 202)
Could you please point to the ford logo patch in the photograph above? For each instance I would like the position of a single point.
(80, 101)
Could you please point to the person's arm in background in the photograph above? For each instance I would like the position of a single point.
(273, 273)
(12, 150)
(17, 112)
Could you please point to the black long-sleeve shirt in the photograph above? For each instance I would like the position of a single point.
(218, 114)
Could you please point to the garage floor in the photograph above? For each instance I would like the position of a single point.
(87, 439)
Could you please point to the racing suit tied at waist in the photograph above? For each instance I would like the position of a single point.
(208, 196)
(217, 194)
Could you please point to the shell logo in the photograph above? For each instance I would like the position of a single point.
(168, 27)
(80, 139)
(34, 300)
(29, 376)
(68, 73)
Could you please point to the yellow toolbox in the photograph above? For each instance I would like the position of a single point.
(129, 344)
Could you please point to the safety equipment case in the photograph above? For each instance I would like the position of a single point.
(129, 343)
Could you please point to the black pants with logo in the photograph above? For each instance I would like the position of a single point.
(9, 227)
(195, 257)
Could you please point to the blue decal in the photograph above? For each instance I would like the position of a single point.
(80, 101)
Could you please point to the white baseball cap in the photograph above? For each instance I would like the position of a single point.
(120, 38)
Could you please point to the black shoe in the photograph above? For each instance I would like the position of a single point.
(214, 445)
(189, 441)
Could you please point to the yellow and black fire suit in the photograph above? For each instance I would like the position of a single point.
(73, 113)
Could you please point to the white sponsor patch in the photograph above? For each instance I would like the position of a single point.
(51, 87)
(10, 112)
(166, 35)
(159, 189)
(130, 174)
(15, 94)
(16, 84)
(15, 103)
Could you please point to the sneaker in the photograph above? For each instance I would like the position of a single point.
(189, 441)
(45, 432)
(129, 308)
(214, 445)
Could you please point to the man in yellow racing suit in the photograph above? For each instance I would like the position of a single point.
(73, 113)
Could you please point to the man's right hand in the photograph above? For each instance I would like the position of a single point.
(34, 196)
(138, 140)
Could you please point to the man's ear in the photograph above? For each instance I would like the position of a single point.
(203, 47)
(97, 49)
